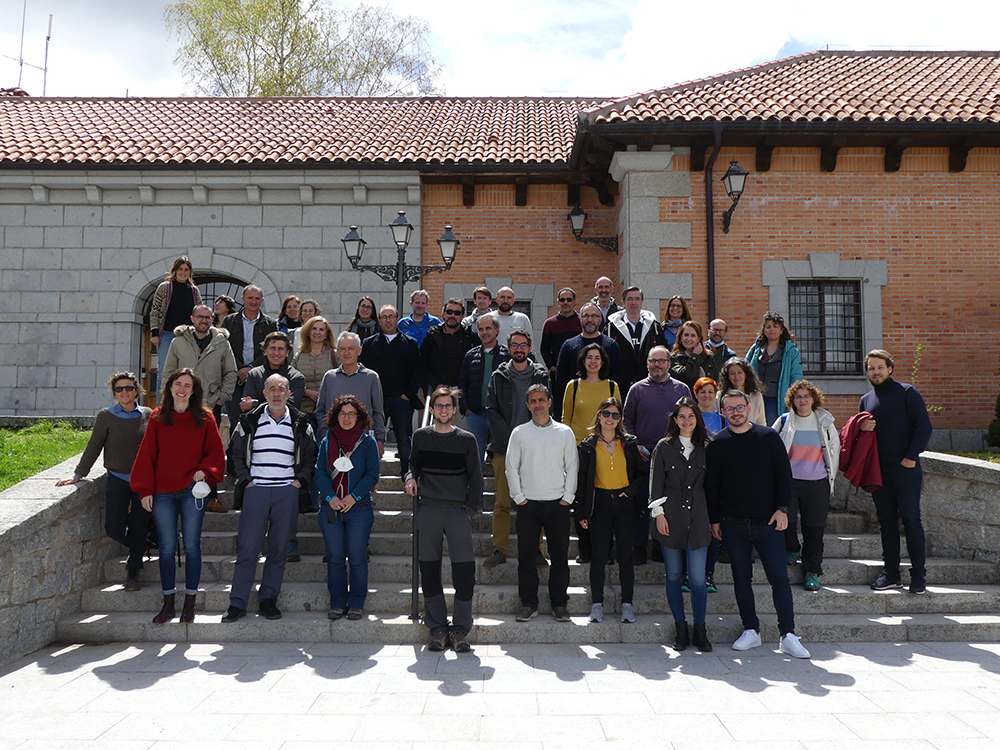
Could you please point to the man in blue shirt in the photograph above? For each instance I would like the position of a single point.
(419, 321)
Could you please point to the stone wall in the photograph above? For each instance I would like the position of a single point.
(52, 545)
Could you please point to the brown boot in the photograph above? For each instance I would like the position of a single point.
(214, 505)
(168, 612)
(187, 613)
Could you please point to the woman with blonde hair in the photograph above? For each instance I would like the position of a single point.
(173, 302)
(316, 355)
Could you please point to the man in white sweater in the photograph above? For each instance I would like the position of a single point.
(541, 467)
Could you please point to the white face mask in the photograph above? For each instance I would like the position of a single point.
(200, 490)
(343, 464)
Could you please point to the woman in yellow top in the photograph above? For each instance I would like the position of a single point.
(584, 394)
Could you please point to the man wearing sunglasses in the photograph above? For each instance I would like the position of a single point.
(444, 348)
(556, 331)
(748, 486)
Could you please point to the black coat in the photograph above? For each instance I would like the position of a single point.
(583, 504)
(261, 327)
(682, 482)
(397, 363)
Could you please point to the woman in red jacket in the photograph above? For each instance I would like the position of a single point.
(181, 446)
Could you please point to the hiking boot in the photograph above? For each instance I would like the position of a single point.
(886, 581)
(682, 637)
(233, 614)
(269, 609)
(526, 613)
(561, 614)
(459, 642)
(438, 642)
(700, 638)
(497, 558)
(168, 612)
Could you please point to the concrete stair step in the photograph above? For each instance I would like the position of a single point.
(313, 627)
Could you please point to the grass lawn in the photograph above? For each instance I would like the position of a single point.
(29, 450)
(981, 455)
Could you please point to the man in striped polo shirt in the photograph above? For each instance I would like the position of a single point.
(272, 455)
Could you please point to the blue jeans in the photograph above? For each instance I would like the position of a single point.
(347, 542)
(899, 500)
(167, 506)
(479, 425)
(673, 562)
(741, 536)
(772, 409)
(399, 411)
(161, 359)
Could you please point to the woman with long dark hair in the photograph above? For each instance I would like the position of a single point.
(677, 502)
(173, 302)
(739, 375)
(347, 469)
(677, 313)
(776, 359)
(590, 387)
(288, 318)
(118, 433)
(365, 322)
(224, 305)
(181, 448)
(606, 503)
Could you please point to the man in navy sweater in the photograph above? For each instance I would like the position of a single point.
(902, 431)
(748, 485)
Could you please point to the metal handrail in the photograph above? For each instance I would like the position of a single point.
(414, 558)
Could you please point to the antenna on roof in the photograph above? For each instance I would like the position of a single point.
(45, 70)
(20, 57)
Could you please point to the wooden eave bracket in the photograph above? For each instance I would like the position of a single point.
(958, 154)
(894, 153)
(468, 192)
(828, 154)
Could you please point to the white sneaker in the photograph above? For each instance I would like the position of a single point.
(750, 639)
(792, 646)
(597, 612)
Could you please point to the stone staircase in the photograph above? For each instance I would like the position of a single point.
(962, 603)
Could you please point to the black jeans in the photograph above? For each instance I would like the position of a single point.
(553, 517)
(125, 520)
(899, 500)
(811, 500)
(613, 515)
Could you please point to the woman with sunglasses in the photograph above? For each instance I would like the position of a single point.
(677, 502)
(606, 501)
(118, 433)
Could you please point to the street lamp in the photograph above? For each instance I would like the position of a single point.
(400, 272)
(577, 217)
(735, 179)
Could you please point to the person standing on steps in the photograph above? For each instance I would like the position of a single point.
(446, 474)
(556, 331)
(273, 456)
(748, 486)
(419, 321)
(542, 466)
(902, 431)
(474, 378)
(173, 303)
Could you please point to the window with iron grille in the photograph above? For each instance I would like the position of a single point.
(825, 317)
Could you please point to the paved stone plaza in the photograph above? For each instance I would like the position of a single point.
(917, 696)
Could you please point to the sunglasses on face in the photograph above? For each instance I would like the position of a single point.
(453, 312)
(610, 414)
(124, 388)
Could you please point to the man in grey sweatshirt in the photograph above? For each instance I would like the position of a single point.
(541, 467)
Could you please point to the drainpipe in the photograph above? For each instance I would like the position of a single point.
(709, 216)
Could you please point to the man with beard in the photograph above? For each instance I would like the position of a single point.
(444, 349)
(605, 300)
(446, 474)
(635, 330)
(508, 319)
(566, 362)
(556, 330)
(748, 485)
(507, 407)
(716, 343)
(474, 379)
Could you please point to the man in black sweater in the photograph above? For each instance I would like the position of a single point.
(748, 485)
(902, 433)
(446, 473)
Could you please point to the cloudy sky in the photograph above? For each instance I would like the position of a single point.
(515, 48)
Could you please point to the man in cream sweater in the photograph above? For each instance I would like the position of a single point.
(541, 468)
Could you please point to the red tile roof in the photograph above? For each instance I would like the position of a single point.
(914, 87)
(290, 131)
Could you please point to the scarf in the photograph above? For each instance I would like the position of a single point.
(341, 442)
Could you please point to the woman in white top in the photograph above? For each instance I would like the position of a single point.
(739, 375)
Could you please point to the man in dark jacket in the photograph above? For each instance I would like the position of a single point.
(396, 358)
(902, 430)
(566, 363)
(247, 330)
(718, 329)
(474, 378)
(444, 348)
(272, 455)
(507, 407)
(636, 332)
(276, 350)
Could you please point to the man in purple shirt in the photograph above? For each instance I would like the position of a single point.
(647, 412)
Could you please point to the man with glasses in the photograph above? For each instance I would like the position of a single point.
(446, 475)
(716, 343)
(748, 486)
(444, 349)
(507, 407)
(569, 352)
(395, 357)
(647, 414)
(556, 331)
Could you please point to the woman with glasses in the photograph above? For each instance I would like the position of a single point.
(588, 390)
(776, 359)
(606, 502)
(347, 469)
(677, 502)
(365, 323)
(308, 309)
(181, 447)
(118, 432)
(737, 374)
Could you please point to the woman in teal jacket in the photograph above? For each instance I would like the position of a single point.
(776, 359)
(347, 469)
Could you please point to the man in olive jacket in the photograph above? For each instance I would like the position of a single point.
(205, 350)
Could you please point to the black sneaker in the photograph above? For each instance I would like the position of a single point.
(269, 609)
(233, 614)
(561, 614)
(294, 557)
(639, 556)
(459, 642)
(918, 585)
(438, 642)
(497, 558)
(885, 581)
(526, 613)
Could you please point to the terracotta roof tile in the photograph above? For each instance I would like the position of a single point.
(829, 85)
(292, 130)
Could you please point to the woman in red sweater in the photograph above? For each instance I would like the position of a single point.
(181, 446)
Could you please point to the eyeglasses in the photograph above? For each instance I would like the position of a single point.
(124, 388)
(591, 316)
(610, 414)
(443, 407)
(735, 409)
(454, 312)
(517, 347)
(387, 316)
(657, 361)
(717, 330)
(351, 414)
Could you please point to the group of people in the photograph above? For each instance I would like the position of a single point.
(626, 425)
